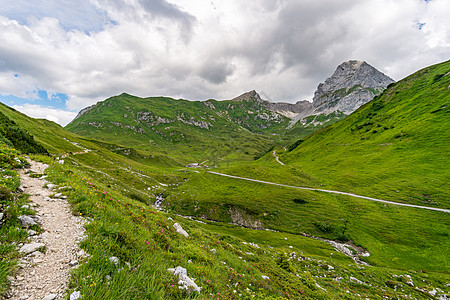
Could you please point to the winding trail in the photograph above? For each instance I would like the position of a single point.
(277, 158)
(334, 192)
(47, 274)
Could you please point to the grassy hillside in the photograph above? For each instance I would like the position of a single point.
(394, 148)
(188, 130)
(395, 143)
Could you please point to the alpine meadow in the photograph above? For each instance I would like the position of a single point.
(344, 197)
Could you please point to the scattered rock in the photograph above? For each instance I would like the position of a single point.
(31, 232)
(408, 280)
(73, 263)
(29, 248)
(180, 229)
(50, 297)
(58, 195)
(356, 280)
(213, 251)
(330, 268)
(265, 277)
(114, 260)
(81, 253)
(26, 221)
(1, 216)
(184, 281)
(35, 253)
(51, 186)
(75, 295)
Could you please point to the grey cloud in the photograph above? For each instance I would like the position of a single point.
(216, 72)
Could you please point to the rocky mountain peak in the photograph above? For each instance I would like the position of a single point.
(249, 96)
(352, 84)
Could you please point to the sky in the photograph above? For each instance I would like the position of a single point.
(59, 56)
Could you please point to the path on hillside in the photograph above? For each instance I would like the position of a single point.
(334, 192)
(277, 158)
(48, 274)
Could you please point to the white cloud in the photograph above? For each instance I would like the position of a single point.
(200, 49)
(59, 116)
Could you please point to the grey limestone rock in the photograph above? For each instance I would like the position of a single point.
(184, 281)
(29, 248)
(180, 230)
(353, 84)
(26, 221)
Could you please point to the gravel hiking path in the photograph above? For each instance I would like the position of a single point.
(334, 192)
(47, 275)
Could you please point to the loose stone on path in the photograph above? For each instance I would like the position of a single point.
(46, 275)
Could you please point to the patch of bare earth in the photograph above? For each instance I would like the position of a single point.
(46, 275)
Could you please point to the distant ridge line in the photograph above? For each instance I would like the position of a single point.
(334, 192)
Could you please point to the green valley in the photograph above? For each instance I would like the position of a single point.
(246, 239)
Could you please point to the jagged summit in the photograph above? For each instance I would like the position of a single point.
(249, 96)
(353, 84)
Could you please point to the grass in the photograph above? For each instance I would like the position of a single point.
(147, 245)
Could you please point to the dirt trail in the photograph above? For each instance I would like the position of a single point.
(277, 158)
(46, 274)
(335, 192)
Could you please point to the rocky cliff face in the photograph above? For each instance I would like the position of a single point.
(353, 84)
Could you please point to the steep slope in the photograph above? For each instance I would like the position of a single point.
(395, 146)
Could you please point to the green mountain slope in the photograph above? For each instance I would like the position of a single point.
(395, 147)
(115, 187)
(192, 130)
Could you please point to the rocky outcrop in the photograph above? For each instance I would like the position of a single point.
(353, 84)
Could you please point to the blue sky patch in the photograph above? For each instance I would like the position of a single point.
(72, 15)
(41, 97)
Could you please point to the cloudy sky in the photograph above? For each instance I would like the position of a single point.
(59, 56)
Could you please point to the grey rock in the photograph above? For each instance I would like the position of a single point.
(356, 280)
(50, 297)
(75, 295)
(213, 251)
(51, 186)
(81, 253)
(180, 230)
(265, 277)
(184, 281)
(26, 221)
(73, 263)
(114, 260)
(1, 216)
(31, 232)
(352, 85)
(57, 195)
(29, 248)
